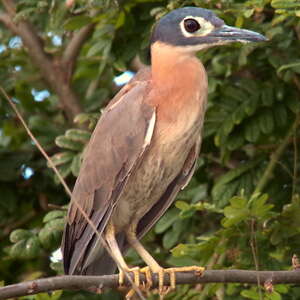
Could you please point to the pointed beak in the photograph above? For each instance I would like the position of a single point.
(229, 34)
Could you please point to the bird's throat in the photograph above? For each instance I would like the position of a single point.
(179, 80)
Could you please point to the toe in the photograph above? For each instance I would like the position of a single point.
(148, 275)
(121, 278)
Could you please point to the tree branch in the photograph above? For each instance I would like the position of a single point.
(73, 48)
(9, 6)
(6, 20)
(52, 70)
(97, 283)
(268, 173)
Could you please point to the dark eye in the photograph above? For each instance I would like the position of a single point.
(191, 25)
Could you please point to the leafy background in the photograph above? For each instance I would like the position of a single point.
(241, 209)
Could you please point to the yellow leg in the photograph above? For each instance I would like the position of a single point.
(117, 255)
(154, 266)
(122, 266)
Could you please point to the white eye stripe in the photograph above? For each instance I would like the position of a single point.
(206, 27)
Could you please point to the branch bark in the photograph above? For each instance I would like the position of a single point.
(52, 69)
(73, 48)
(97, 283)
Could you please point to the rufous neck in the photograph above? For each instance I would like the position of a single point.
(169, 62)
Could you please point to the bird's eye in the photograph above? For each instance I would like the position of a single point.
(191, 25)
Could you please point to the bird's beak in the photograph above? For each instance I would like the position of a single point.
(233, 34)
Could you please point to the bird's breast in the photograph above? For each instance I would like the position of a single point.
(159, 167)
(180, 105)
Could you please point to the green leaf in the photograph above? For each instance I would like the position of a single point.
(221, 185)
(251, 106)
(259, 208)
(67, 143)
(180, 250)
(50, 235)
(19, 234)
(97, 48)
(289, 66)
(76, 163)
(166, 221)
(266, 122)
(267, 96)
(273, 296)
(252, 131)
(170, 238)
(64, 171)
(77, 22)
(250, 294)
(61, 158)
(120, 20)
(248, 12)
(55, 214)
(280, 115)
(17, 250)
(32, 248)
(293, 104)
(234, 141)
(182, 205)
(26, 249)
(78, 135)
(236, 212)
(222, 192)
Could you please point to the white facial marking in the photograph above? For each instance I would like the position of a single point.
(205, 27)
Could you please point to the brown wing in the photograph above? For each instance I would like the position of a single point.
(120, 138)
(179, 183)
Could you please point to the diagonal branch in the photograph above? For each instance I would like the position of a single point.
(52, 71)
(268, 173)
(6, 20)
(97, 283)
(73, 48)
(9, 6)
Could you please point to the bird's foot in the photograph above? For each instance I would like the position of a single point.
(145, 286)
(162, 289)
(136, 276)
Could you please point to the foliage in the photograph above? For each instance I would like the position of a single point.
(241, 209)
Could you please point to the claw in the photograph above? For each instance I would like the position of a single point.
(136, 280)
(148, 284)
(136, 276)
(172, 273)
(162, 289)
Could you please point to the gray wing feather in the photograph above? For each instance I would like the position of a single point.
(179, 183)
(116, 146)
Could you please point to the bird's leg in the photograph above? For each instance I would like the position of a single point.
(154, 266)
(117, 255)
(146, 256)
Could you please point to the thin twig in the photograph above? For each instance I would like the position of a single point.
(17, 224)
(36, 142)
(295, 161)
(297, 82)
(51, 164)
(275, 158)
(253, 245)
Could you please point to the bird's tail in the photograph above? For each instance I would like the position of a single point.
(105, 264)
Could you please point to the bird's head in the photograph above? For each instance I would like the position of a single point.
(191, 29)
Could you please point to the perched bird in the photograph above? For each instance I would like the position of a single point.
(144, 148)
